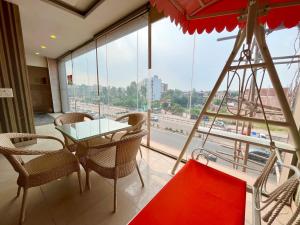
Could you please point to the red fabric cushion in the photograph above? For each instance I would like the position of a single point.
(197, 194)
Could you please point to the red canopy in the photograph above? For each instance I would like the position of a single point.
(207, 15)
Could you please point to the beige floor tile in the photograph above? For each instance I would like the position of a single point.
(60, 203)
(36, 210)
(102, 212)
(65, 201)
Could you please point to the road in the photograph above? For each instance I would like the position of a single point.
(173, 143)
(170, 133)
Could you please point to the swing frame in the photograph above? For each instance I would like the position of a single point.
(258, 32)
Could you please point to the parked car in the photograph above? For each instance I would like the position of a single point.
(259, 135)
(212, 157)
(258, 154)
(261, 155)
(219, 123)
(194, 117)
(154, 118)
(262, 136)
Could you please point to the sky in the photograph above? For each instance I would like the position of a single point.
(182, 61)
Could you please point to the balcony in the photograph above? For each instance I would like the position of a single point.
(59, 202)
(108, 59)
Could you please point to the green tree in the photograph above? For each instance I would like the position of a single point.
(217, 101)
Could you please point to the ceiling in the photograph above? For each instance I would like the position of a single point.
(40, 20)
(81, 5)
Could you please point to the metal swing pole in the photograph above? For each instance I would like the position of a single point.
(262, 45)
(238, 43)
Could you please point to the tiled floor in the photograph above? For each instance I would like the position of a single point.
(59, 202)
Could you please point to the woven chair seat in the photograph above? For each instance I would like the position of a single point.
(104, 158)
(48, 167)
(115, 160)
(47, 162)
(83, 151)
(104, 163)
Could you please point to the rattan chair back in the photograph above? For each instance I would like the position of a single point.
(73, 117)
(127, 148)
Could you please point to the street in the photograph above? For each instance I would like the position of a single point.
(174, 142)
(170, 132)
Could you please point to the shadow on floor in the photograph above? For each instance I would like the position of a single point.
(42, 119)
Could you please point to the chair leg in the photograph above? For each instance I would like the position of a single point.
(141, 152)
(87, 180)
(140, 175)
(115, 194)
(79, 181)
(23, 207)
(19, 191)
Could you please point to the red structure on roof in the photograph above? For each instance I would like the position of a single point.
(207, 15)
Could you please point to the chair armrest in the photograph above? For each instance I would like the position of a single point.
(27, 135)
(122, 117)
(16, 151)
(107, 145)
(125, 138)
(138, 125)
(131, 129)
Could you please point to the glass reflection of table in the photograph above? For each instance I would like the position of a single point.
(86, 130)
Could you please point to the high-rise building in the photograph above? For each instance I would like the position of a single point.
(156, 88)
(164, 87)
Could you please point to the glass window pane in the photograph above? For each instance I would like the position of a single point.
(123, 68)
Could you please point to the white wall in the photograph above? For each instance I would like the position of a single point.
(35, 60)
(51, 64)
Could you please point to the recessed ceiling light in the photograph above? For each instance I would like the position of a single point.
(43, 46)
(53, 36)
(37, 53)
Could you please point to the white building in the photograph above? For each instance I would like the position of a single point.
(156, 88)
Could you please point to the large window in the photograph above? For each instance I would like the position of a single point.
(185, 68)
(79, 82)
(108, 81)
(113, 80)
(123, 70)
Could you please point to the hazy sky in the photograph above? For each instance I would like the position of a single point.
(121, 61)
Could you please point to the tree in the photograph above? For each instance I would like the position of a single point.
(177, 109)
(217, 101)
(195, 112)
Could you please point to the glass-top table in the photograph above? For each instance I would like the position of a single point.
(83, 131)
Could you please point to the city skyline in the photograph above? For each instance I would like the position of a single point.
(172, 58)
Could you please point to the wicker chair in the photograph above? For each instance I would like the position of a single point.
(136, 120)
(117, 159)
(75, 117)
(49, 166)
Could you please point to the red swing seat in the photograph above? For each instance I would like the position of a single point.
(197, 195)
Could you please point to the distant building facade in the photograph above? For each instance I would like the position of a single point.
(164, 87)
(268, 96)
(157, 87)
